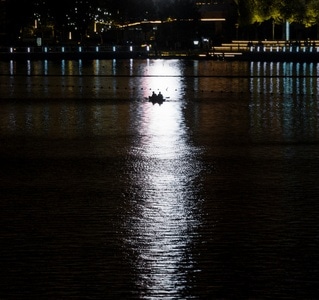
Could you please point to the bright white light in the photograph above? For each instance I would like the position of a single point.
(163, 76)
(161, 227)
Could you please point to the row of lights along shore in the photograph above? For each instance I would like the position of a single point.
(79, 49)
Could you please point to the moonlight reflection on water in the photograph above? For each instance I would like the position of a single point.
(164, 217)
(211, 195)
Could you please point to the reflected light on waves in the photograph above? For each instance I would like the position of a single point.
(163, 219)
(163, 77)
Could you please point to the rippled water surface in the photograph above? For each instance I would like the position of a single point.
(211, 195)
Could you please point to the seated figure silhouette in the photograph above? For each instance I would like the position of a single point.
(156, 98)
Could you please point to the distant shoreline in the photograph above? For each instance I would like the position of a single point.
(92, 53)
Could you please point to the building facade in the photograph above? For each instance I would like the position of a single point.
(218, 19)
(3, 20)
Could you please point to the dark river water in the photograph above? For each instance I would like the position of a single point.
(213, 194)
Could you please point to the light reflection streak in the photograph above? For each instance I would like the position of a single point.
(29, 68)
(45, 67)
(284, 101)
(164, 78)
(164, 218)
(12, 67)
(114, 79)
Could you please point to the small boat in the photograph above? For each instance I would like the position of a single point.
(156, 98)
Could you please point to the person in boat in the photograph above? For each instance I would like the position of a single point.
(153, 97)
(160, 96)
(156, 98)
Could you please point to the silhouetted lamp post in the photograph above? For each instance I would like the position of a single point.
(273, 30)
(236, 26)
